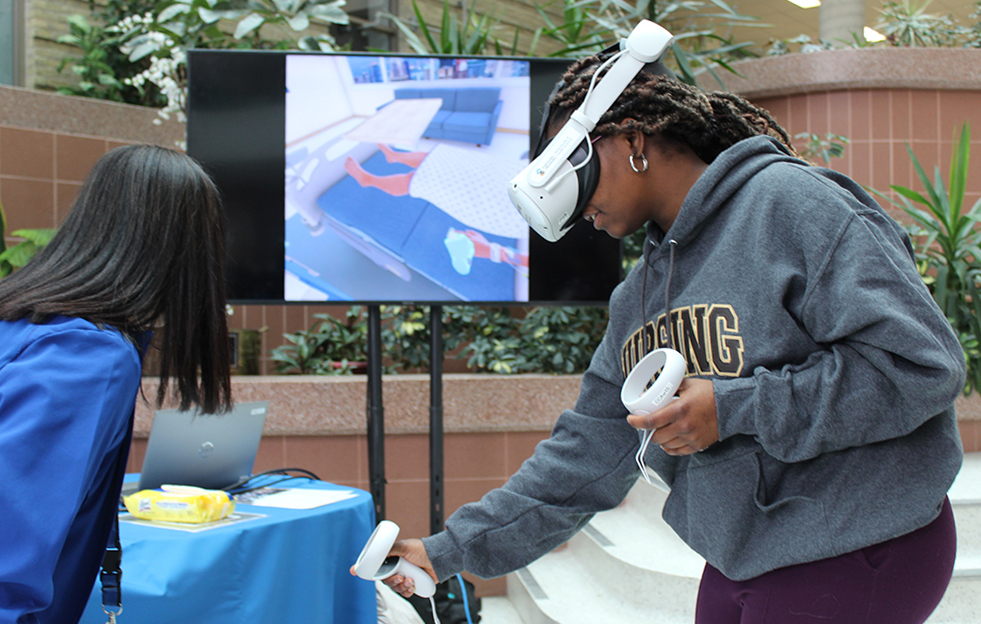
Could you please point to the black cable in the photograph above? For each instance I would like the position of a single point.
(239, 487)
(262, 486)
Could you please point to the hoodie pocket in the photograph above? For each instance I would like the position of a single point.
(739, 531)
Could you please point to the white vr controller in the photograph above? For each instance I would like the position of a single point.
(653, 382)
(374, 564)
(651, 385)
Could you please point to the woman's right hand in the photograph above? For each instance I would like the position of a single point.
(413, 551)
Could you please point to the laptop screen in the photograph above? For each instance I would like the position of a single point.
(203, 450)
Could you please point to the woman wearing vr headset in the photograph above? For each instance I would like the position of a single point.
(813, 441)
(142, 243)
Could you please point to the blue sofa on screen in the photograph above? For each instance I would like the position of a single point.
(468, 114)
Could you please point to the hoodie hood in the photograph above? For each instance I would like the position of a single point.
(724, 177)
(728, 173)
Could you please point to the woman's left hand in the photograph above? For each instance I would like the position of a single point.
(686, 425)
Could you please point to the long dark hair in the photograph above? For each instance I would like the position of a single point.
(143, 242)
(656, 104)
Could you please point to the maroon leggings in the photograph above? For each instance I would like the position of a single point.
(900, 581)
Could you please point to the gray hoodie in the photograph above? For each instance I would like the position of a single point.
(834, 375)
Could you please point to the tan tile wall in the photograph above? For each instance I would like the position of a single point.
(880, 123)
(41, 172)
(881, 99)
(48, 144)
(970, 435)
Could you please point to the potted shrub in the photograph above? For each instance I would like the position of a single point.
(948, 252)
(331, 346)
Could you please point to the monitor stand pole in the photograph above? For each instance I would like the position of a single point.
(436, 420)
(376, 417)
(376, 414)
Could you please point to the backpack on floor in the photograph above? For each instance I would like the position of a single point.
(449, 598)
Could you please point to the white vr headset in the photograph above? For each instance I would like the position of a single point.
(553, 190)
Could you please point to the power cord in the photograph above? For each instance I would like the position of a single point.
(432, 602)
(247, 485)
(243, 486)
(466, 606)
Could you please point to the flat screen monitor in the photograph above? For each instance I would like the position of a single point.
(382, 178)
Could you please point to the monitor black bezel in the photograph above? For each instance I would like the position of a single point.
(236, 129)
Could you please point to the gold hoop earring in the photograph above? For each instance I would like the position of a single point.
(643, 161)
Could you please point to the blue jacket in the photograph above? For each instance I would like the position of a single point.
(834, 373)
(67, 394)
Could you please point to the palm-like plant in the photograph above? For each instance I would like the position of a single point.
(949, 251)
(693, 23)
(589, 26)
(471, 33)
(576, 35)
(906, 25)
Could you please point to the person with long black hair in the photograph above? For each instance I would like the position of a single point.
(142, 246)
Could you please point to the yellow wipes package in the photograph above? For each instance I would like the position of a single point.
(180, 503)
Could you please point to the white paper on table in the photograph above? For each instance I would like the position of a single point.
(295, 498)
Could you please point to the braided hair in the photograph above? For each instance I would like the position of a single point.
(655, 104)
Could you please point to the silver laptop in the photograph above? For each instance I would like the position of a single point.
(205, 450)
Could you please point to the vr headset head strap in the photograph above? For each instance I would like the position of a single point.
(552, 191)
(657, 68)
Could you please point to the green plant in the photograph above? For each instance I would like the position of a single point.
(330, 347)
(907, 25)
(973, 32)
(949, 250)
(142, 49)
(470, 33)
(575, 34)
(858, 41)
(633, 249)
(406, 334)
(779, 47)
(99, 77)
(164, 35)
(547, 339)
(160, 40)
(496, 347)
(831, 146)
(286, 17)
(692, 22)
(101, 67)
(12, 258)
(561, 339)
(589, 26)
(493, 339)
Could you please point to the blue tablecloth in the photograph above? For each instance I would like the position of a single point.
(288, 566)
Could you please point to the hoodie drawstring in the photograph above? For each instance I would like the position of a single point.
(667, 292)
(648, 247)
